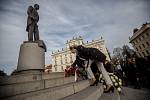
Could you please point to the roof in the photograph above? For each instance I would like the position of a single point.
(140, 31)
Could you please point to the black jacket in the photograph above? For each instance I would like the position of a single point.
(90, 53)
(109, 68)
(79, 62)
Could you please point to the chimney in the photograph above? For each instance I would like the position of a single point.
(135, 30)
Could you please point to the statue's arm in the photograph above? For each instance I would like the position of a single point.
(30, 12)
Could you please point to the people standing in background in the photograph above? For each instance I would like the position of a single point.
(118, 70)
(108, 66)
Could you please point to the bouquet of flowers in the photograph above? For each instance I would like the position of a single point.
(78, 72)
(69, 71)
(117, 82)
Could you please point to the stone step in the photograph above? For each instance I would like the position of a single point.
(90, 93)
(111, 96)
(30, 76)
(19, 88)
(53, 93)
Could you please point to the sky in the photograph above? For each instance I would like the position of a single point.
(60, 20)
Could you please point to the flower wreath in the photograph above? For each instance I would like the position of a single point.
(117, 82)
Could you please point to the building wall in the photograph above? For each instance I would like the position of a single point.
(64, 58)
(141, 41)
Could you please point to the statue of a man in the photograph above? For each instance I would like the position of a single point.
(32, 27)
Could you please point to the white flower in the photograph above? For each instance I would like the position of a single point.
(111, 77)
(119, 89)
(120, 83)
(113, 80)
(102, 81)
(120, 80)
(116, 77)
(116, 84)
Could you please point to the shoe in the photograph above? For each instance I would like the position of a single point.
(93, 81)
(94, 84)
(109, 88)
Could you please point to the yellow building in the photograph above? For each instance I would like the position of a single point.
(63, 58)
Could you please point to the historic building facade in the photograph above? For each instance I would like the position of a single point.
(64, 57)
(141, 40)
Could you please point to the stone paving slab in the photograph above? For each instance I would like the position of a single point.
(110, 96)
(134, 94)
(90, 93)
(128, 93)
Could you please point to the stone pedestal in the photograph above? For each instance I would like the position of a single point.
(31, 57)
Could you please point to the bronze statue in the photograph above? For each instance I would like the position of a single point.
(32, 27)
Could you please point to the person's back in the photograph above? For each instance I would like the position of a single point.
(96, 54)
(90, 53)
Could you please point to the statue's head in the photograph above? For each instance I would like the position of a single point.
(36, 6)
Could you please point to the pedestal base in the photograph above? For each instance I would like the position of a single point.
(31, 56)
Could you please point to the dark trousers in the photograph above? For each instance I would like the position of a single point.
(33, 30)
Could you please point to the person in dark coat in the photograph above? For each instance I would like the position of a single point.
(108, 66)
(91, 55)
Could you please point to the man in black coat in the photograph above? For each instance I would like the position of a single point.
(91, 55)
(81, 64)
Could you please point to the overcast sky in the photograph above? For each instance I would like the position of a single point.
(60, 20)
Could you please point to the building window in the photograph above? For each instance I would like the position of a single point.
(143, 36)
(147, 34)
(143, 45)
(136, 41)
(65, 58)
(139, 38)
(61, 59)
(62, 68)
(55, 62)
(55, 68)
(147, 52)
(143, 54)
(147, 43)
(139, 54)
(136, 49)
(140, 47)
